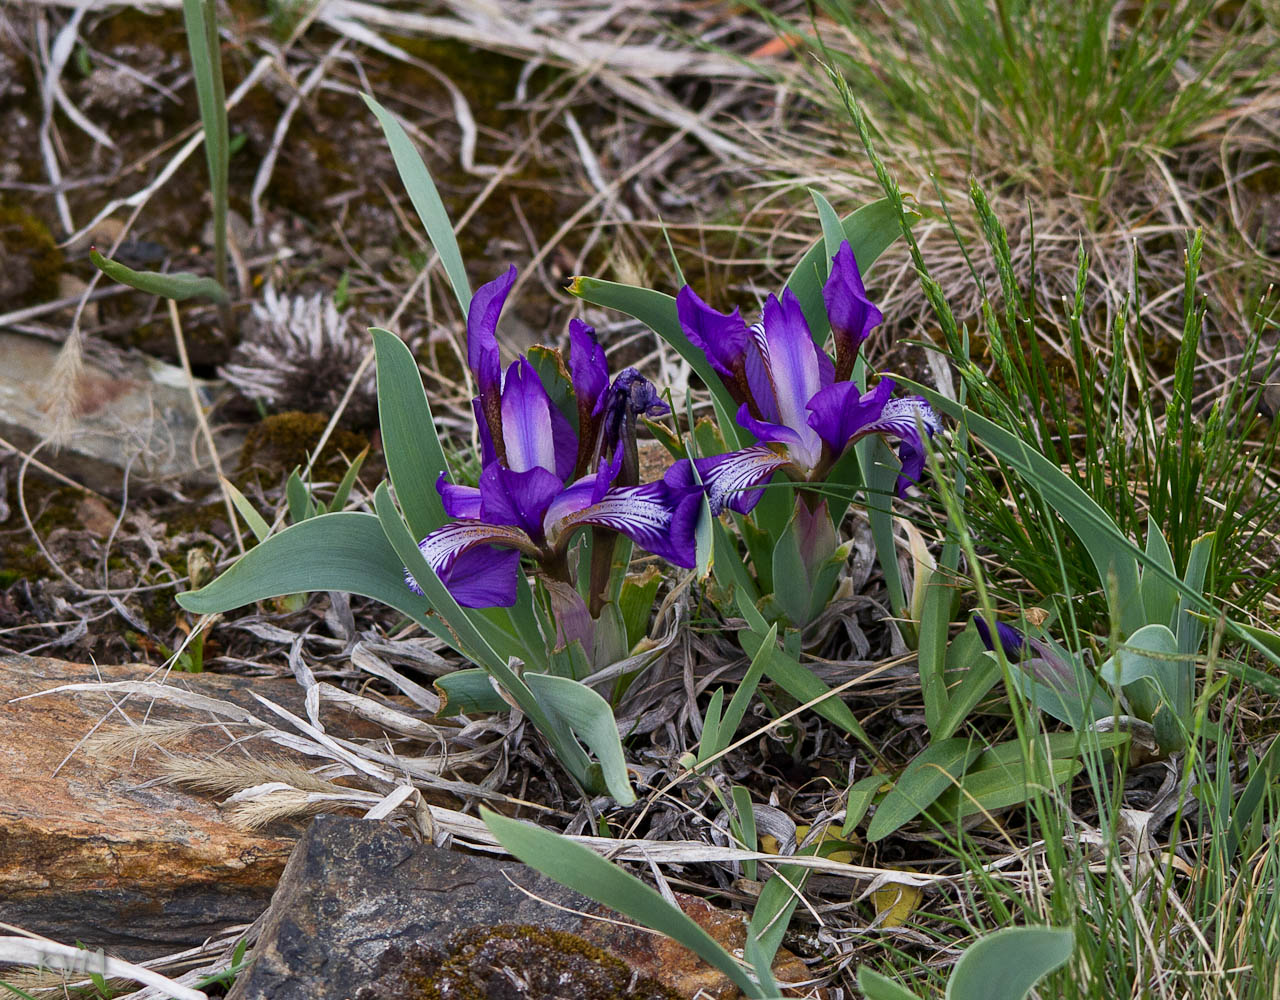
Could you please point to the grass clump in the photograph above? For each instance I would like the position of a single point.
(1059, 97)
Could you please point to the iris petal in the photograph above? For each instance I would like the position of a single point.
(722, 337)
(482, 346)
(518, 498)
(904, 418)
(758, 383)
(478, 563)
(534, 431)
(731, 481)
(851, 313)
(587, 368)
(796, 370)
(839, 414)
(1010, 638)
(1045, 664)
(766, 431)
(459, 501)
(655, 516)
(579, 495)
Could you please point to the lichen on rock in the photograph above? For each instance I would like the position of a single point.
(509, 962)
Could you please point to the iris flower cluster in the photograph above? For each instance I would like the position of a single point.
(545, 476)
(799, 403)
(542, 477)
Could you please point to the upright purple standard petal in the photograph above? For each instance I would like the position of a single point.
(760, 402)
(590, 377)
(587, 368)
(797, 370)
(482, 347)
(722, 337)
(482, 326)
(477, 562)
(851, 313)
(534, 431)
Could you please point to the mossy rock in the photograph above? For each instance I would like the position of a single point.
(51, 506)
(509, 962)
(32, 258)
(285, 441)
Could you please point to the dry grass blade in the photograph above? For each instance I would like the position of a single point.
(113, 744)
(220, 776)
(203, 422)
(46, 954)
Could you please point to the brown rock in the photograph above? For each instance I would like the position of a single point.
(89, 851)
(138, 411)
(362, 906)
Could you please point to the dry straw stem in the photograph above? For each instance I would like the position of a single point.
(203, 422)
(25, 948)
(213, 956)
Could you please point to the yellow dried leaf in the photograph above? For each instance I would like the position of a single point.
(894, 903)
(831, 833)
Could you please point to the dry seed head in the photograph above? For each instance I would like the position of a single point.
(300, 353)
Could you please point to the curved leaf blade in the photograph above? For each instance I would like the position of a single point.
(179, 286)
(874, 986)
(467, 691)
(1190, 630)
(1006, 964)
(805, 686)
(345, 551)
(426, 201)
(590, 718)
(409, 440)
(1159, 596)
(584, 871)
(995, 788)
(935, 769)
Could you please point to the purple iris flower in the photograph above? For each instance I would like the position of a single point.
(1036, 657)
(792, 396)
(542, 477)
